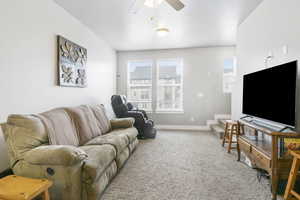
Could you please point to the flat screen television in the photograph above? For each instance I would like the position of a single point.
(271, 94)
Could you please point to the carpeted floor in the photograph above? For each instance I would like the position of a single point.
(185, 166)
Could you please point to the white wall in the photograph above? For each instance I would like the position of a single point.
(272, 25)
(203, 74)
(28, 61)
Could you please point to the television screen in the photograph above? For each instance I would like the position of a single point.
(271, 94)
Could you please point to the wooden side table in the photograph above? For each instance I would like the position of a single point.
(21, 188)
(289, 192)
(231, 129)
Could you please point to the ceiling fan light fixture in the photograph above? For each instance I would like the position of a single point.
(161, 32)
(153, 3)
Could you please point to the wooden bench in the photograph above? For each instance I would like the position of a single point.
(21, 188)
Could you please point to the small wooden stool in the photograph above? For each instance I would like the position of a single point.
(289, 192)
(21, 188)
(231, 129)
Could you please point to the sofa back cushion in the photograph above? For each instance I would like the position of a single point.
(102, 118)
(30, 122)
(60, 127)
(19, 140)
(85, 123)
(33, 124)
(23, 133)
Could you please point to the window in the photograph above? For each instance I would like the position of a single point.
(229, 66)
(169, 86)
(139, 91)
(229, 74)
(167, 79)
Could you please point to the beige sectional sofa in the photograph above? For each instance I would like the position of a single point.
(78, 148)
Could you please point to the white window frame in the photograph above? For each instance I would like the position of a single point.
(234, 71)
(228, 76)
(129, 85)
(181, 109)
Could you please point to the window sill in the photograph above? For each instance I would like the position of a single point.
(169, 112)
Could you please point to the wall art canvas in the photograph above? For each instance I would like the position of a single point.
(72, 60)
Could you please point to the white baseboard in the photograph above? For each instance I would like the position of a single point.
(222, 116)
(182, 127)
(211, 122)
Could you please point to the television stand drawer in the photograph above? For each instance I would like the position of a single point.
(260, 159)
(244, 146)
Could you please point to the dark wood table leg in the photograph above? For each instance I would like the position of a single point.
(240, 130)
(238, 151)
(274, 176)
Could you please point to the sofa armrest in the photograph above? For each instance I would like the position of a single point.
(55, 155)
(122, 123)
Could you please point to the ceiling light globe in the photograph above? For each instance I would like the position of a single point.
(161, 32)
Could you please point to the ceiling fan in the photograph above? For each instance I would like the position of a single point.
(137, 4)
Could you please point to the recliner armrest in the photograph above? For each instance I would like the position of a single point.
(55, 155)
(137, 115)
(122, 123)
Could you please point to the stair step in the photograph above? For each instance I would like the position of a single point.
(222, 122)
(218, 130)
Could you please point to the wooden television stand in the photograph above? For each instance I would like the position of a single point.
(261, 146)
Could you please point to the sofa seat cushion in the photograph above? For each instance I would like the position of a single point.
(131, 133)
(120, 142)
(133, 145)
(99, 158)
(122, 158)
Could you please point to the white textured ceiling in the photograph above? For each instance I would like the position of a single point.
(200, 23)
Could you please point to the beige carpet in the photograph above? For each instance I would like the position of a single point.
(185, 166)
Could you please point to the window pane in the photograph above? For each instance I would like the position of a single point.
(229, 74)
(169, 86)
(140, 73)
(228, 66)
(169, 98)
(143, 105)
(170, 72)
(139, 89)
(138, 93)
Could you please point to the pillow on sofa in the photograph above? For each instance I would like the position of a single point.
(102, 119)
(85, 123)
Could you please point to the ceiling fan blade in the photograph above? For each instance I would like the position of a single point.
(176, 4)
(136, 6)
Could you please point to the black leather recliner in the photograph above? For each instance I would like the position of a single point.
(123, 109)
